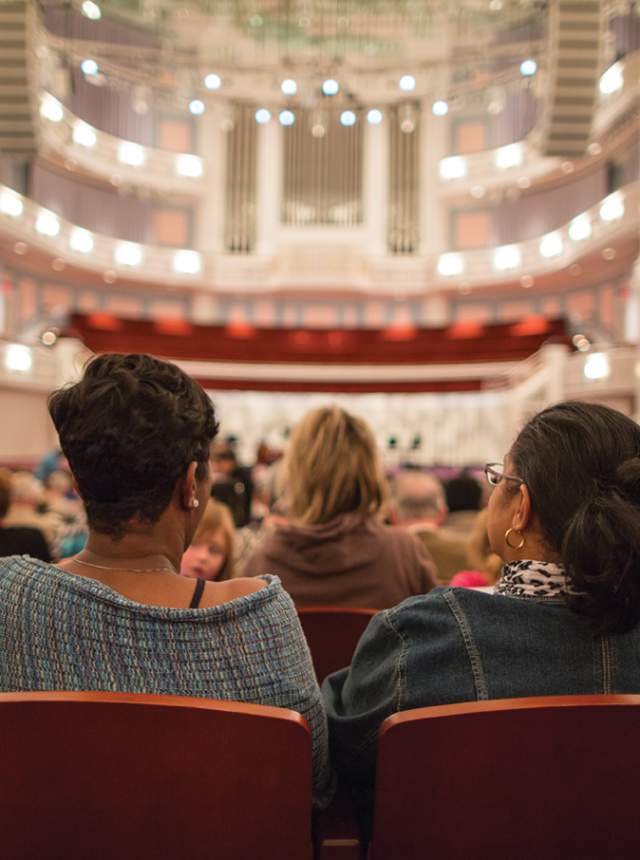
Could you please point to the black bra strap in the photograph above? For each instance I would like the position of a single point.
(197, 594)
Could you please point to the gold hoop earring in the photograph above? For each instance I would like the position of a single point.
(510, 545)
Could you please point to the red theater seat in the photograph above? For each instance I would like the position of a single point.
(117, 776)
(332, 633)
(532, 778)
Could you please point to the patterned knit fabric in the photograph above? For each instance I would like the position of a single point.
(59, 631)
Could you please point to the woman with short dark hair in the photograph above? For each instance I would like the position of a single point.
(564, 516)
(118, 616)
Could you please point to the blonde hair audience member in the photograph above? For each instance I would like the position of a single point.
(335, 549)
(211, 555)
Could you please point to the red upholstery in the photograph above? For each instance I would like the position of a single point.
(537, 778)
(110, 775)
(333, 633)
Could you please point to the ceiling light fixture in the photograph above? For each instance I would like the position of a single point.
(263, 116)
(330, 87)
(212, 81)
(89, 67)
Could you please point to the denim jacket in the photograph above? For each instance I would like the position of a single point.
(460, 645)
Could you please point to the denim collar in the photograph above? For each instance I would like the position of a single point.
(528, 578)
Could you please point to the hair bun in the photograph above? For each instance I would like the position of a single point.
(628, 479)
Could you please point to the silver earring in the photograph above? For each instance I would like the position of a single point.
(195, 503)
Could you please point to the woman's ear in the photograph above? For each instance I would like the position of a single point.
(524, 510)
(189, 490)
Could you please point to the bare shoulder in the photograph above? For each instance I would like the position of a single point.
(216, 593)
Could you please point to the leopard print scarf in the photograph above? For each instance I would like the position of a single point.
(526, 578)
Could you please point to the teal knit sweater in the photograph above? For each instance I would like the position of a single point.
(59, 631)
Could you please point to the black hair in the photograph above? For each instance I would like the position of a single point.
(463, 493)
(581, 463)
(129, 429)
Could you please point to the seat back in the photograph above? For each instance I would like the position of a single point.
(333, 633)
(526, 778)
(110, 775)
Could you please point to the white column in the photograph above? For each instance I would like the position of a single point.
(209, 230)
(376, 187)
(269, 190)
(434, 215)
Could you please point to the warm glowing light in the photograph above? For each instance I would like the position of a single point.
(128, 254)
(580, 228)
(596, 366)
(612, 80)
(10, 203)
(47, 223)
(51, 109)
(612, 207)
(509, 156)
(18, 357)
(450, 265)
(551, 245)
(131, 153)
(84, 134)
(189, 165)
(187, 262)
(454, 167)
(81, 240)
(507, 257)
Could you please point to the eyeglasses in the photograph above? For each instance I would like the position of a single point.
(494, 473)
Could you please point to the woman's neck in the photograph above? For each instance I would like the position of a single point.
(133, 551)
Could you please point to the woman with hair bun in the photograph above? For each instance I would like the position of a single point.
(118, 616)
(564, 516)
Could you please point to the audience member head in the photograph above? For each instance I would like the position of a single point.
(59, 482)
(211, 554)
(418, 497)
(26, 490)
(463, 493)
(332, 467)
(5, 492)
(571, 494)
(137, 433)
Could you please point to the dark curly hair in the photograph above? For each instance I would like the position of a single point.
(581, 463)
(129, 429)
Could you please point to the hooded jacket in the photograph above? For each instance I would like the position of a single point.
(349, 561)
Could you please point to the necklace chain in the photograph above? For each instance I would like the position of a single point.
(127, 569)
